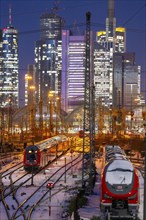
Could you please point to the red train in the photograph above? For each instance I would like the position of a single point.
(38, 155)
(119, 189)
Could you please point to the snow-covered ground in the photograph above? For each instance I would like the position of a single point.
(52, 210)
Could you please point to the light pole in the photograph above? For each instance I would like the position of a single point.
(50, 95)
(32, 109)
(57, 112)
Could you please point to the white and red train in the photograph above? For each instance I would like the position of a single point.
(39, 154)
(119, 198)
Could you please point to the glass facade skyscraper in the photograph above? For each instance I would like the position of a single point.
(126, 80)
(51, 25)
(114, 69)
(9, 67)
(48, 57)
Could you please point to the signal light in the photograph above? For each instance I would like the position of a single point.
(50, 185)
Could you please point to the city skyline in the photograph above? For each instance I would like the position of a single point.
(26, 19)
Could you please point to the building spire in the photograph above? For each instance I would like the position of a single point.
(111, 10)
(10, 15)
(110, 21)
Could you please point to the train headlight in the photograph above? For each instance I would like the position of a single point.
(29, 151)
(107, 196)
(132, 197)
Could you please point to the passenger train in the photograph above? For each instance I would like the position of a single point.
(119, 197)
(38, 155)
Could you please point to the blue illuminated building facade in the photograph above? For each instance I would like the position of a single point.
(9, 67)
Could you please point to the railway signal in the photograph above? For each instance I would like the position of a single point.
(50, 185)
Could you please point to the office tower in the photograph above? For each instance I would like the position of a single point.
(9, 66)
(51, 26)
(103, 80)
(110, 60)
(126, 87)
(47, 56)
(103, 59)
(73, 70)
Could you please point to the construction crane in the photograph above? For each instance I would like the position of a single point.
(89, 111)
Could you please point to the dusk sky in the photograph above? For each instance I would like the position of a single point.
(130, 14)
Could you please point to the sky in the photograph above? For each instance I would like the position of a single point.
(130, 14)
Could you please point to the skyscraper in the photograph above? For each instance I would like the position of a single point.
(73, 70)
(126, 87)
(112, 76)
(47, 58)
(9, 66)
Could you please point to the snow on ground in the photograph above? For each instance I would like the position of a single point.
(58, 202)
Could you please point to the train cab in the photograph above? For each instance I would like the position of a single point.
(31, 157)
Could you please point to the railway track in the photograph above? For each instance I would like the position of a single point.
(16, 191)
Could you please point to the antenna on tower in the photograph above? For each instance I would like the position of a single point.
(56, 7)
(76, 28)
(10, 15)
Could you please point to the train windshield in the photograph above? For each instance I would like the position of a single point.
(119, 172)
(31, 154)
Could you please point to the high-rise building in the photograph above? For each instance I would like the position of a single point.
(73, 70)
(126, 80)
(115, 69)
(47, 56)
(103, 80)
(9, 66)
(51, 26)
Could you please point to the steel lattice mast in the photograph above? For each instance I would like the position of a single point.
(89, 115)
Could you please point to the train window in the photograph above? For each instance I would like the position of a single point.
(31, 156)
(119, 172)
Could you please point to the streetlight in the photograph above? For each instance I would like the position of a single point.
(50, 95)
(32, 105)
(57, 112)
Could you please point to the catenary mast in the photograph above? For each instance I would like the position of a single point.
(89, 116)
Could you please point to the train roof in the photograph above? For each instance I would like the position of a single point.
(31, 147)
(120, 164)
(57, 138)
(119, 172)
(60, 138)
